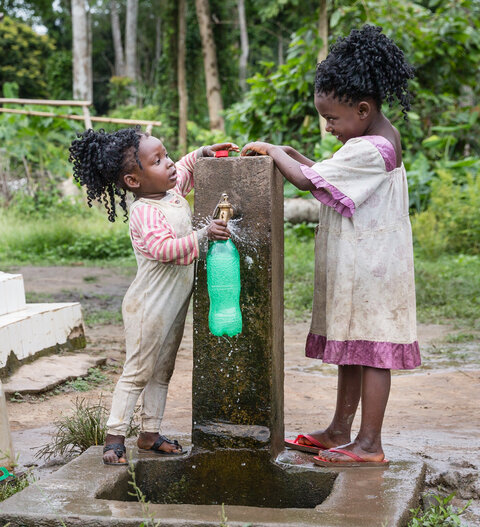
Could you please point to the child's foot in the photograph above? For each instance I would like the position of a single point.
(159, 444)
(114, 452)
(358, 453)
(319, 440)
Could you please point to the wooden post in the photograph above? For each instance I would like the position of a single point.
(86, 115)
(7, 456)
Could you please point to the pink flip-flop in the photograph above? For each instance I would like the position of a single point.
(295, 445)
(356, 461)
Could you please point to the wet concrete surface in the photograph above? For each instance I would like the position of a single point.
(362, 497)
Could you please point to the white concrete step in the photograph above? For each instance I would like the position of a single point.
(38, 327)
(12, 293)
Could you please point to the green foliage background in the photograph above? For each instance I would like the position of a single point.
(441, 38)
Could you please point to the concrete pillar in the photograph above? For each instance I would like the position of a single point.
(7, 456)
(238, 381)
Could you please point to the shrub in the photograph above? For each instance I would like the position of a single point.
(451, 223)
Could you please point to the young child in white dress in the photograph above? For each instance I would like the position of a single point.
(165, 246)
(363, 316)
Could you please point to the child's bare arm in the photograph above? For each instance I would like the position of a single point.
(288, 166)
(295, 154)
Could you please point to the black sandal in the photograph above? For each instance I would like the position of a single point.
(119, 450)
(155, 448)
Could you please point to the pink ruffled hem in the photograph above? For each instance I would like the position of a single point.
(328, 194)
(386, 355)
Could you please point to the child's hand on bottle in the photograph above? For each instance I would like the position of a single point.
(256, 148)
(209, 150)
(218, 230)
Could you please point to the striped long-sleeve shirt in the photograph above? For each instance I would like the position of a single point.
(150, 231)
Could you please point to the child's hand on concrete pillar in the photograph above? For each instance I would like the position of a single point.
(256, 148)
(209, 150)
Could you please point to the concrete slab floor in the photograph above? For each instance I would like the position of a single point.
(48, 372)
(360, 497)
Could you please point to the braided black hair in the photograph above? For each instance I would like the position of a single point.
(100, 159)
(366, 64)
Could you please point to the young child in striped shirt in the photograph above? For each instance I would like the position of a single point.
(165, 246)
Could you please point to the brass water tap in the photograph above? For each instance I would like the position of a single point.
(223, 210)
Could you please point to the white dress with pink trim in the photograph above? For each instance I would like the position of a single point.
(364, 297)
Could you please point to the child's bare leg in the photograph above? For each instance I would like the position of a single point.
(348, 395)
(368, 443)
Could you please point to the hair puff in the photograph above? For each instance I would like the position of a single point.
(100, 159)
(366, 64)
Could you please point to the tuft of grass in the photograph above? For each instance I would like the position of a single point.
(442, 514)
(90, 279)
(74, 434)
(11, 486)
(99, 317)
(94, 378)
(460, 338)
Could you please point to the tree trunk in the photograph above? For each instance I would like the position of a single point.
(82, 58)
(158, 39)
(182, 77)
(214, 97)
(131, 45)
(322, 52)
(117, 40)
(242, 65)
(280, 55)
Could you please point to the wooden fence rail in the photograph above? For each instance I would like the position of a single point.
(87, 118)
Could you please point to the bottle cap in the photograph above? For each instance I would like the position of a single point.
(221, 153)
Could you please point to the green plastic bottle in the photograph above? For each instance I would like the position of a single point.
(223, 282)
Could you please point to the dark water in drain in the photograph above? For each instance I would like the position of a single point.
(232, 477)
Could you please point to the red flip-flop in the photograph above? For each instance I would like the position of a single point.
(295, 445)
(356, 461)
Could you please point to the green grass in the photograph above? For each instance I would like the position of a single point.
(441, 514)
(15, 485)
(95, 378)
(299, 270)
(60, 239)
(448, 290)
(448, 287)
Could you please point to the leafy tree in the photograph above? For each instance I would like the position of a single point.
(58, 73)
(279, 106)
(25, 61)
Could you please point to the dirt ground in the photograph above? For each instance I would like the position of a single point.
(433, 413)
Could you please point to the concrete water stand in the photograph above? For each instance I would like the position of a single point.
(87, 493)
(237, 415)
